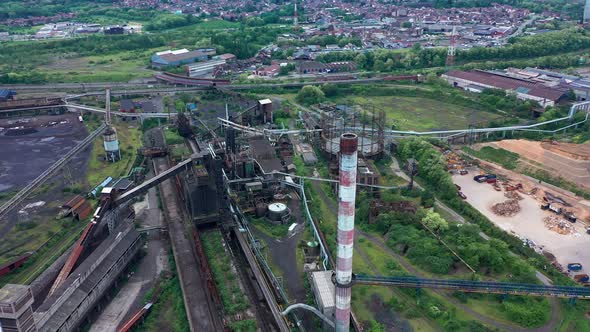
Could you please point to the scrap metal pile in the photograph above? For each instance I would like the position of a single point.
(507, 208)
(513, 195)
(559, 225)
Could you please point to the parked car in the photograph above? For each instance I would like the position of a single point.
(574, 266)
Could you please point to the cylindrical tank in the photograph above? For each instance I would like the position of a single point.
(277, 211)
(260, 210)
(313, 248)
(111, 144)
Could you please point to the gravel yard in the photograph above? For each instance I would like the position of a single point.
(528, 223)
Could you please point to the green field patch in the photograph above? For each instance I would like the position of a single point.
(66, 233)
(232, 295)
(505, 158)
(418, 113)
(99, 169)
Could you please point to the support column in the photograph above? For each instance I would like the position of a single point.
(346, 205)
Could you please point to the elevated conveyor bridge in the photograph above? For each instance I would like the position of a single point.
(470, 286)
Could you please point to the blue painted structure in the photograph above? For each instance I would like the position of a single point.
(103, 184)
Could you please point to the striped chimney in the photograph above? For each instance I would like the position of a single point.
(346, 203)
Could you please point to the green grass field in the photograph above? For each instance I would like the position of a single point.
(118, 67)
(129, 142)
(418, 113)
(507, 159)
(46, 255)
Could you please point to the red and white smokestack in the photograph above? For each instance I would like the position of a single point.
(346, 204)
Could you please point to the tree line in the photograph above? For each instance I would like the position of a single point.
(545, 46)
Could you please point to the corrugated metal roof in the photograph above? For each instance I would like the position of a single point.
(322, 281)
(507, 83)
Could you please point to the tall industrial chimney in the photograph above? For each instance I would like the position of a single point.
(586, 12)
(346, 204)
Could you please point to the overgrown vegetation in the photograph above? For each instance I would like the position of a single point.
(172, 136)
(505, 158)
(232, 296)
(170, 306)
(266, 227)
(98, 168)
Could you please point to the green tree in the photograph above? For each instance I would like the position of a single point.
(330, 90)
(435, 222)
(309, 95)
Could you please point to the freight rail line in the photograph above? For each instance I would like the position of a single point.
(478, 286)
(27, 190)
(182, 82)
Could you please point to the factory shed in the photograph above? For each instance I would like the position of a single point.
(523, 89)
(177, 58)
(123, 185)
(324, 292)
(265, 155)
(78, 207)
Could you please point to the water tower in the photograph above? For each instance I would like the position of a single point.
(111, 142)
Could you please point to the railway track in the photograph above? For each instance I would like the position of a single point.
(201, 312)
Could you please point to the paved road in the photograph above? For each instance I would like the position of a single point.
(518, 31)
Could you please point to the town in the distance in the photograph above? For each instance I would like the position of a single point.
(295, 165)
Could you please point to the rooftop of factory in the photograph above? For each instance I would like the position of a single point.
(322, 283)
(12, 293)
(113, 251)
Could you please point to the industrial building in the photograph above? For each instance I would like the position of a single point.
(204, 68)
(324, 292)
(479, 80)
(16, 313)
(177, 58)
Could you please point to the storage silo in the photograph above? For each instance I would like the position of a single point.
(111, 141)
(111, 144)
(278, 212)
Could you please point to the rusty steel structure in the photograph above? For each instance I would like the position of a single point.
(370, 129)
(345, 238)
